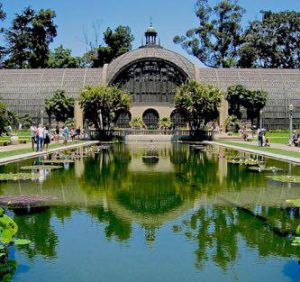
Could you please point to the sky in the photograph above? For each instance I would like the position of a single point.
(77, 19)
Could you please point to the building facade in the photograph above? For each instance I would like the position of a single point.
(151, 74)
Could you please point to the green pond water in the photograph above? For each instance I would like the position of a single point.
(185, 215)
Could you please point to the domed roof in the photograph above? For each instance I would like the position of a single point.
(148, 53)
(151, 29)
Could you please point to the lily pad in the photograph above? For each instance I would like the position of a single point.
(57, 162)
(38, 167)
(295, 202)
(21, 242)
(296, 242)
(18, 176)
(264, 169)
(286, 178)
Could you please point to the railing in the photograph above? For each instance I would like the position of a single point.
(125, 132)
(201, 135)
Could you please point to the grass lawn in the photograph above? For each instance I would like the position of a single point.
(263, 149)
(278, 137)
(29, 150)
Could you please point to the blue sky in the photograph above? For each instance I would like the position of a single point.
(170, 17)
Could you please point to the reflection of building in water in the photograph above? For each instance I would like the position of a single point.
(141, 158)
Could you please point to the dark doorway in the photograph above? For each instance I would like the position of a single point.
(151, 118)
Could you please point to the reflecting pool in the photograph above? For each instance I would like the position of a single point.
(157, 212)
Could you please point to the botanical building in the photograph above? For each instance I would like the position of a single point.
(151, 74)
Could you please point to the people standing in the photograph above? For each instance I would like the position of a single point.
(73, 134)
(260, 136)
(56, 134)
(46, 137)
(40, 138)
(66, 133)
(33, 135)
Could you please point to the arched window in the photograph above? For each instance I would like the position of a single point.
(123, 119)
(150, 118)
(178, 119)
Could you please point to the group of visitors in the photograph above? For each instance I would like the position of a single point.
(295, 139)
(42, 137)
(263, 141)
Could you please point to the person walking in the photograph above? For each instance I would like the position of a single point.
(33, 135)
(46, 137)
(66, 133)
(260, 137)
(40, 138)
(56, 136)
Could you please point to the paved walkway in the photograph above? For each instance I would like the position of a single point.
(258, 152)
(19, 157)
(14, 147)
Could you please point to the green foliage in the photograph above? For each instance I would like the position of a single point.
(18, 176)
(2, 49)
(7, 118)
(232, 123)
(61, 106)
(215, 42)
(165, 122)
(252, 101)
(70, 122)
(117, 43)
(272, 42)
(26, 121)
(101, 104)
(61, 58)
(198, 103)
(136, 122)
(235, 96)
(29, 38)
(8, 231)
(286, 178)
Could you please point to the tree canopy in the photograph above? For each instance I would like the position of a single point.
(116, 43)
(29, 38)
(273, 42)
(2, 48)
(60, 106)
(198, 103)
(62, 58)
(7, 118)
(215, 42)
(252, 100)
(101, 105)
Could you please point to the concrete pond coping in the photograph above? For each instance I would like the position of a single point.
(20, 157)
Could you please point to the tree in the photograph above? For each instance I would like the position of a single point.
(61, 58)
(215, 42)
(101, 104)
(198, 102)
(165, 122)
(273, 42)
(137, 122)
(235, 98)
(61, 106)
(7, 118)
(252, 100)
(26, 121)
(29, 38)
(117, 43)
(2, 49)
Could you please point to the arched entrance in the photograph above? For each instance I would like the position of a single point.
(151, 118)
(177, 119)
(123, 119)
